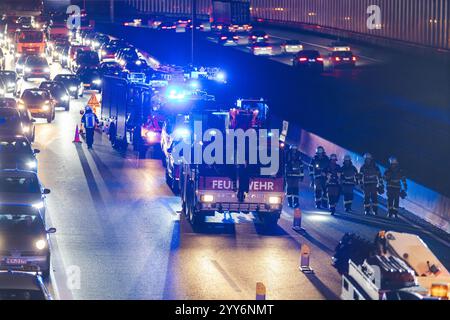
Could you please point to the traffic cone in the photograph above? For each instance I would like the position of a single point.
(77, 136)
(297, 224)
(305, 252)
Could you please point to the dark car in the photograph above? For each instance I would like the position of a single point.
(342, 59)
(73, 84)
(25, 244)
(117, 43)
(25, 117)
(91, 78)
(10, 122)
(58, 92)
(16, 153)
(39, 102)
(257, 37)
(99, 40)
(20, 64)
(107, 51)
(110, 68)
(10, 78)
(21, 285)
(308, 60)
(36, 67)
(227, 38)
(85, 59)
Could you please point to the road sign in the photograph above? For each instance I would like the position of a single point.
(93, 103)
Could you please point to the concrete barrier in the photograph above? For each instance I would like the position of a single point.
(423, 202)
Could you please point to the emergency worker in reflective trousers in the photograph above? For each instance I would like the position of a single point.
(348, 182)
(333, 183)
(396, 186)
(372, 182)
(294, 175)
(89, 121)
(317, 173)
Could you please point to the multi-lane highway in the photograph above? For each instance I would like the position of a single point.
(120, 234)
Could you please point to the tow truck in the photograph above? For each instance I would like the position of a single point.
(223, 187)
(397, 266)
(127, 114)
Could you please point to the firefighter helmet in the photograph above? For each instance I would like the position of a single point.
(393, 160)
(320, 150)
(347, 158)
(368, 156)
(333, 157)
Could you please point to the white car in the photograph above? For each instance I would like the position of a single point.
(262, 49)
(291, 46)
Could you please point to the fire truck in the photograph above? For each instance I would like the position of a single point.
(230, 186)
(127, 114)
(396, 266)
(30, 42)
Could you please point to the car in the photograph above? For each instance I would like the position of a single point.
(10, 122)
(258, 37)
(2, 60)
(85, 59)
(3, 88)
(227, 38)
(342, 59)
(308, 60)
(21, 285)
(73, 84)
(36, 67)
(98, 40)
(58, 92)
(107, 52)
(110, 68)
(10, 77)
(91, 78)
(20, 63)
(167, 25)
(291, 46)
(16, 153)
(126, 56)
(39, 102)
(71, 55)
(57, 51)
(25, 239)
(262, 48)
(63, 56)
(119, 43)
(339, 46)
(26, 119)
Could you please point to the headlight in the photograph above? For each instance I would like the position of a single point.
(27, 69)
(151, 134)
(274, 200)
(41, 244)
(47, 70)
(138, 62)
(31, 164)
(45, 107)
(11, 84)
(73, 88)
(39, 205)
(207, 198)
(26, 129)
(103, 52)
(65, 98)
(97, 81)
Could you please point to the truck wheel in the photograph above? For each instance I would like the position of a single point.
(49, 118)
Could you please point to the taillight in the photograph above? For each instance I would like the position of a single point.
(253, 37)
(303, 59)
(266, 37)
(223, 38)
(354, 58)
(236, 38)
(320, 59)
(337, 59)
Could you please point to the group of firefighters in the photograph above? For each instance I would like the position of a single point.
(330, 180)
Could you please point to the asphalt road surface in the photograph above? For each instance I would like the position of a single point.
(120, 234)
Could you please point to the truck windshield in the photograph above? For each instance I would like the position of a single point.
(30, 37)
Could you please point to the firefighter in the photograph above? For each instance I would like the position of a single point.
(317, 172)
(294, 175)
(89, 121)
(395, 180)
(372, 182)
(333, 183)
(348, 181)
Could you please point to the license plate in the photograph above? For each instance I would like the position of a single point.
(87, 85)
(16, 261)
(346, 59)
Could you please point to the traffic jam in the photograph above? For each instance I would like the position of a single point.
(150, 109)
